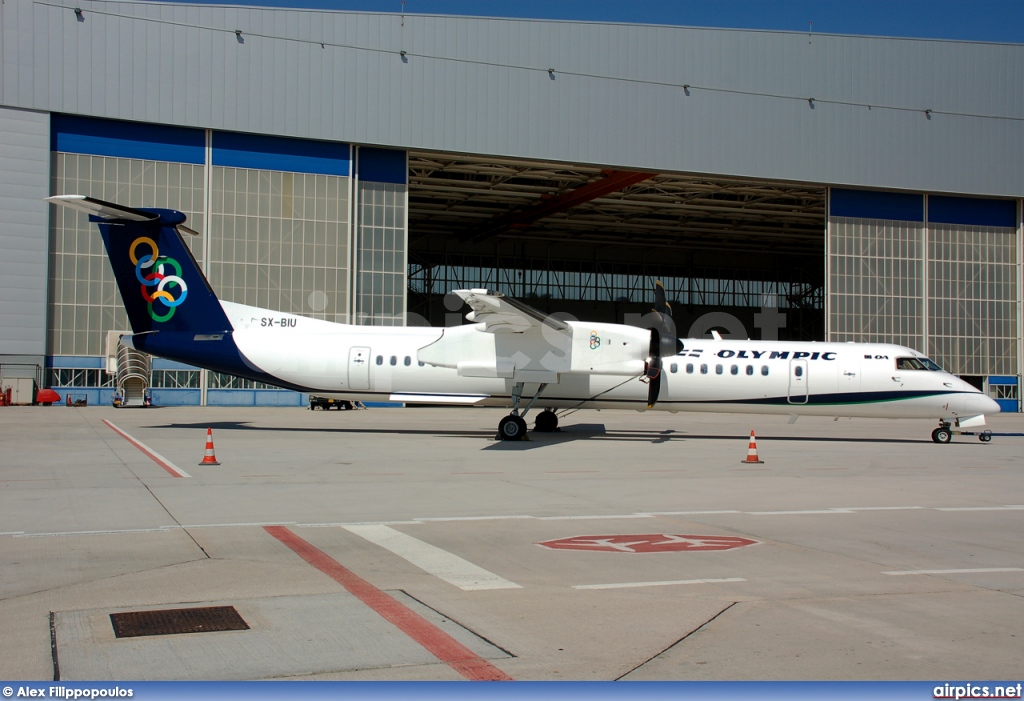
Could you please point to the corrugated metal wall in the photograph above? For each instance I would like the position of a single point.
(24, 182)
(482, 86)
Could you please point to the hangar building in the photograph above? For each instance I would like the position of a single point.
(356, 167)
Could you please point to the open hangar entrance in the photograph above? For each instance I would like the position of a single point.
(590, 241)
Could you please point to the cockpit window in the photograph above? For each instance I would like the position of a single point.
(909, 364)
(917, 364)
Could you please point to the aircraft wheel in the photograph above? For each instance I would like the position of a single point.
(942, 435)
(985, 437)
(546, 422)
(511, 428)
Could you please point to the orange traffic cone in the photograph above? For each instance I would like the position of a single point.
(752, 451)
(209, 458)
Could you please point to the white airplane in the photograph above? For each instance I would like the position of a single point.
(509, 353)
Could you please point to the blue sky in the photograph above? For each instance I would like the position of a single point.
(973, 20)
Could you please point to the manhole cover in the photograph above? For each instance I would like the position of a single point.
(648, 543)
(176, 621)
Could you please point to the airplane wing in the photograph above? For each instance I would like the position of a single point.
(511, 340)
(501, 314)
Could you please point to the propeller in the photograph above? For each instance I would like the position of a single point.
(663, 342)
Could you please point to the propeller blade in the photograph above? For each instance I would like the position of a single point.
(653, 369)
(653, 390)
(660, 305)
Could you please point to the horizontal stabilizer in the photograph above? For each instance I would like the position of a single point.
(99, 208)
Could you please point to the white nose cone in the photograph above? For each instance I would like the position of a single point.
(980, 404)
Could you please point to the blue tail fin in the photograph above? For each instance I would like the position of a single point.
(160, 282)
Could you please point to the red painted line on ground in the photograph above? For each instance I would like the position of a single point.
(568, 472)
(160, 460)
(433, 639)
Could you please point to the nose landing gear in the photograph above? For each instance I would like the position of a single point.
(942, 434)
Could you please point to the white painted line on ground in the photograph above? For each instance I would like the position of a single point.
(629, 585)
(433, 560)
(591, 518)
(360, 523)
(156, 457)
(687, 513)
(161, 529)
(800, 513)
(1012, 507)
(881, 508)
(470, 518)
(646, 514)
(968, 571)
(259, 524)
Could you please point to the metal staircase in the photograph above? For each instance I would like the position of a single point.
(134, 375)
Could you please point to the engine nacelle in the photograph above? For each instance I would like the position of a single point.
(608, 349)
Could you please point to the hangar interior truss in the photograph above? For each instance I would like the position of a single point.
(589, 241)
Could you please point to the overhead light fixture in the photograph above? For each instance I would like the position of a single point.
(78, 14)
(551, 73)
(686, 90)
(239, 37)
(928, 114)
(810, 101)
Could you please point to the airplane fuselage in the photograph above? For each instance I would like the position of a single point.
(372, 363)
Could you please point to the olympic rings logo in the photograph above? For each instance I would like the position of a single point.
(595, 340)
(158, 277)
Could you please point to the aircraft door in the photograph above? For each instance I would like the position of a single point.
(849, 375)
(798, 382)
(359, 368)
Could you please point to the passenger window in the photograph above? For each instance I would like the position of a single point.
(674, 368)
(735, 369)
(703, 369)
(394, 360)
(422, 364)
(718, 369)
(408, 361)
(380, 360)
(689, 368)
(798, 371)
(750, 369)
(764, 370)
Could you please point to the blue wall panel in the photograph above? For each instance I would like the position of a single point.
(89, 362)
(275, 153)
(869, 204)
(176, 397)
(972, 211)
(118, 139)
(382, 165)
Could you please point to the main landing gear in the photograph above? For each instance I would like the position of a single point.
(944, 434)
(513, 426)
